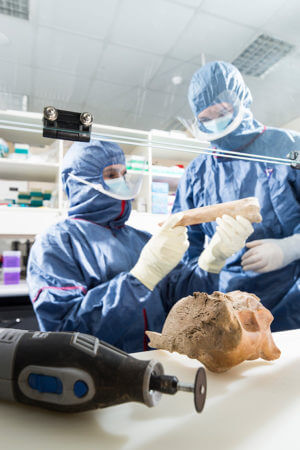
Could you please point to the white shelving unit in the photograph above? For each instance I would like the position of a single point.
(13, 290)
(11, 169)
(156, 146)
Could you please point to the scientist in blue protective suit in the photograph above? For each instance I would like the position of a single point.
(269, 264)
(94, 274)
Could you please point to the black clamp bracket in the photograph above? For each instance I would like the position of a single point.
(295, 157)
(68, 125)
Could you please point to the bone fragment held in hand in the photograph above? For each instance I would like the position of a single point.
(247, 207)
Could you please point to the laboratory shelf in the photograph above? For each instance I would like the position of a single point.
(171, 179)
(158, 148)
(175, 146)
(11, 169)
(14, 290)
(15, 125)
(158, 175)
(145, 174)
(166, 175)
(27, 222)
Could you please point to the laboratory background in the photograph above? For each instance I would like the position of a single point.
(116, 117)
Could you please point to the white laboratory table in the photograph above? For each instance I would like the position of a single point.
(255, 406)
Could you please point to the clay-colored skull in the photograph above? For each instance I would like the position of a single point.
(220, 330)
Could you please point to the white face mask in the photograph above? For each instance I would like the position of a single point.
(219, 124)
(118, 186)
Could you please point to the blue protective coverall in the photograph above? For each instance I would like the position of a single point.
(215, 179)
(78, 271)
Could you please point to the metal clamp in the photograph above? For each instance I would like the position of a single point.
(68, 125)
(295, 157)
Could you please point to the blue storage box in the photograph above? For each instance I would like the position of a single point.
(159, 203)
(157, 186)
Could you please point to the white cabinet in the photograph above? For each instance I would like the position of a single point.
(157, 147)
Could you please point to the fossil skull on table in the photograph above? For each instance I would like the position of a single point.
(220, 330)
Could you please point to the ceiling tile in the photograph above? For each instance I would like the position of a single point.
(185, 112)
(102, 94)
(253, 13)
(77, 55)
(15, 78)
(57, 86)
(88, 17)
(276, 112)
(203, 58)
(128, 66)
(284, 24)
(170, 68)
(37, 104)
(155, 103)
(152, 25)
(145, 122)
(209, 34)
(191, 3)
(21, 38)
(117, 99)
(271, 104)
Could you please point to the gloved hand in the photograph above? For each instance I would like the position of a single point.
(161, 253)
(230, 236)
(266, 255)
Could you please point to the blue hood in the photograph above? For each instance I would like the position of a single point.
(209, 82)
(87, 160)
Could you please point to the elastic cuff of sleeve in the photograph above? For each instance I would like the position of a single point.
(147, 279)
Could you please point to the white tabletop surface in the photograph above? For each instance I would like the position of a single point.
(254, 406)
(14, 290)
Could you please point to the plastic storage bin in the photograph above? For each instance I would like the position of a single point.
(160, 197)
(11, 258)
(11, 266)
(11, 275)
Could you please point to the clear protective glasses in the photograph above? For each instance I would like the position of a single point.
(116, 181)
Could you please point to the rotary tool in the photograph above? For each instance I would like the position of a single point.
(73, 372)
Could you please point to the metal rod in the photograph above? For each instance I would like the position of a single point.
(185, 147)
(186, 387)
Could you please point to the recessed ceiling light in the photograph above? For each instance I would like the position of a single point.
(15, 8)
(177, 79)
(3, 39)
(261, 55)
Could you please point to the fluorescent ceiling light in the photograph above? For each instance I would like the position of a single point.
(15, 8)
(261, 55)
(17, 102)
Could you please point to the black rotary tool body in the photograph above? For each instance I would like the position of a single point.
(73, 372)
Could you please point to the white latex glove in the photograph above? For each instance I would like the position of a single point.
(266, 255)
(161, 253)
(230, 237)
